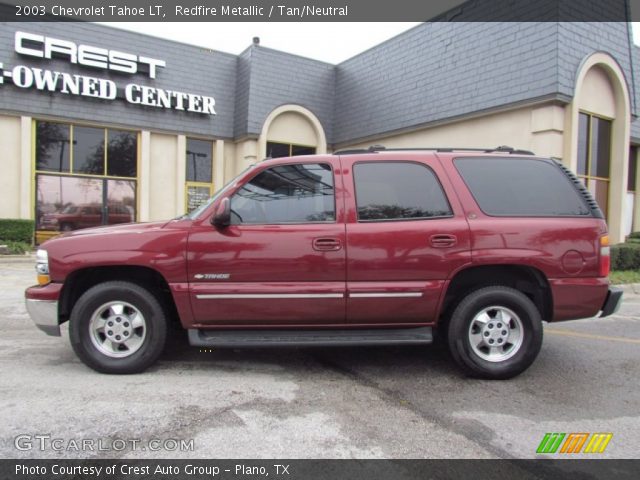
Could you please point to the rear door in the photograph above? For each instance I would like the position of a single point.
(406, 234)
(282, 261)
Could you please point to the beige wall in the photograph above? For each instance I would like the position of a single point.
(601, 89)
(531, 128)
(162, 177)
(597, 94)
(292, 127)
(229, 161)
(10, 136)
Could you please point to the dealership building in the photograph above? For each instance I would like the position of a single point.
(99, 125)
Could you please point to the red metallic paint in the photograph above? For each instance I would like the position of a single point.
(376, 257)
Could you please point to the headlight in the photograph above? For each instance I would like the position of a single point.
(42, 267)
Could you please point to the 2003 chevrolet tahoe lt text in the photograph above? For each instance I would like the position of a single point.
(365, 247)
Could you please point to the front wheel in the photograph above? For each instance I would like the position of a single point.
(118, 327)
(495, 333)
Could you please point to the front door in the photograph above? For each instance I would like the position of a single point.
(282, 260)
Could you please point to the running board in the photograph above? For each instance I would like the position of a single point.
(327, 338)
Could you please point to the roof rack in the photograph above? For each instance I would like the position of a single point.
(382, 148)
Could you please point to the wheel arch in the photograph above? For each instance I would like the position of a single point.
(79, 281)
(525, 278)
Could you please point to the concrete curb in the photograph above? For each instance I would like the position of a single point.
(20, 259)
(633, 288)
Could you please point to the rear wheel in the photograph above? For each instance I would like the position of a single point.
(118, 327)
(495, 333)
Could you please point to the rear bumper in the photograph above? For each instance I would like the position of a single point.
(612, 302)
(575, 298)
(42, 306)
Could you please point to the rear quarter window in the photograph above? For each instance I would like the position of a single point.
(520, 187)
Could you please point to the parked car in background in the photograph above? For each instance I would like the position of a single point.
(74, 217)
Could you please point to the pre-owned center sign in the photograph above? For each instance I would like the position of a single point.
(39, 46)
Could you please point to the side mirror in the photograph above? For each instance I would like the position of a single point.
(222, 217)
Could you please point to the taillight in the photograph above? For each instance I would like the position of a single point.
(605, 256)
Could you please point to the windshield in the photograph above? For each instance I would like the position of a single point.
(196, 213)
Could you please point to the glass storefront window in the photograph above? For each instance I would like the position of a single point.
(67, 203)
(594, 156)
(600, 148)
(52, 147)
(277, 150)
(120, 201)
(82, 194)
(199, 160)
(122, 153)
(88, 150)
(633, 169)
(199, 174)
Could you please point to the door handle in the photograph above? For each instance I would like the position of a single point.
(326, 244)
(443, 240)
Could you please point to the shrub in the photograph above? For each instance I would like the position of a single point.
(625, 256)
(15, 248)
(16, 230)
(634, 235)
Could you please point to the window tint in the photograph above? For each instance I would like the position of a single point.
(398, 190)
(286, 194)
(88, 150)
(518, 186)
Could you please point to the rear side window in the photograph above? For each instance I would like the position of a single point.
(520, 187)
(398, 191)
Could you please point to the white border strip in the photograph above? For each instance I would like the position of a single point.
(386, 295)
(267, 295)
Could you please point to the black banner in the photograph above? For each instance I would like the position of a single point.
(320, 10)
(317, 469)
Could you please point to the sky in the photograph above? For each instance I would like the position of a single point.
(331, 42)
(325, 41)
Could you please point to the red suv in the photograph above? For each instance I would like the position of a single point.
(363, 247)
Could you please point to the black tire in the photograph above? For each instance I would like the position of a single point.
(508, 359)
(86, 341)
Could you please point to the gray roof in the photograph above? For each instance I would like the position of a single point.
(440, 71)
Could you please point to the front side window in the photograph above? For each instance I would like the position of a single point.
(302, 193)
(398, 191)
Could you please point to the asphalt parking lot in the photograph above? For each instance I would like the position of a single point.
(312, 403)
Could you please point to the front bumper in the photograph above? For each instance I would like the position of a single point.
(612, 302)
(44, 314)
(42, 305)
